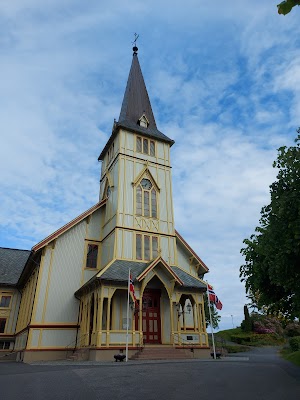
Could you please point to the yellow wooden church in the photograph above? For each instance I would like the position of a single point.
(69, 293)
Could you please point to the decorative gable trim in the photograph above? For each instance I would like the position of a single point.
(144, 174)
(157, 261)
(68, 226)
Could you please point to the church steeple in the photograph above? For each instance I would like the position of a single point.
(136, 112)
(136, 101)
(136, 104)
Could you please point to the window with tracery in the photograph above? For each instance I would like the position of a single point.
(146, 199)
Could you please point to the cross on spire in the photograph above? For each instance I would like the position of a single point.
(135, 49)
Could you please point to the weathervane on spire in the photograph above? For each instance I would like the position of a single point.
(135, 49)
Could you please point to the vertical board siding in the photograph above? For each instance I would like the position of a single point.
(183, 258)
(21, 340)
(65, 276)
(42, 285)
(129, 189)
(107, 249)
(166, 326)
(58, 337)
(127, 245)
(94, 226)
(35, 334)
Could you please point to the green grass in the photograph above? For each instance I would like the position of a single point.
(250, 338)
(228, 333)
(294, 357)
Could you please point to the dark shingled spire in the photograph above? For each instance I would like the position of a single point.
(136, 103)
(136, 100)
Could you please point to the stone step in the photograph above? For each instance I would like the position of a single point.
(164, 353)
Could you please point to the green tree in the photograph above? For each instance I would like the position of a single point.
(286, 6)
(272, 255)
(215, 317)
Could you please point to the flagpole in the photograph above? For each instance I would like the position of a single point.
(127, 316)
(211, 325)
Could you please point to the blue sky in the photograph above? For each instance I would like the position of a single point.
(224, 82)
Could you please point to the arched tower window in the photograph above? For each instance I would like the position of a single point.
(146, 199)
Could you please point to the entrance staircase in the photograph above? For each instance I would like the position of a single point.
(78, 355)
(162, 353)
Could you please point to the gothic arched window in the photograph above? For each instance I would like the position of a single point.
(146, 199)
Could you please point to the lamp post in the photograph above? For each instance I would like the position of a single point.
(179, 313)
(232, 321)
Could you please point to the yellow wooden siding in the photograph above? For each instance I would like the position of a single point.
(27, 302)
(107, 252)
(64, 278)
(94, 225)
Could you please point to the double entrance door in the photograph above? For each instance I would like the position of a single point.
(151, 316)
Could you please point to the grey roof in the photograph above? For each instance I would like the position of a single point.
(187, 279)
(12, 263)
(135, 103)
(118, 271)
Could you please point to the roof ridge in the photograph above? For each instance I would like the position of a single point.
(12, 248)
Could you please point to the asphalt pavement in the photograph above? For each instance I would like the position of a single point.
(259, 374)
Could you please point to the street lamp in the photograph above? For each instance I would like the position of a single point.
(181, 312)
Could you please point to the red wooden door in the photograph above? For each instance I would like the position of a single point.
(151, 316)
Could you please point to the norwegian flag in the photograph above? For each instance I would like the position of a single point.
(213, 297)
(131, 289)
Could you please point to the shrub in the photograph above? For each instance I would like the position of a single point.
(295, 343)
(292, 329)
(266, 324)
(259, 327)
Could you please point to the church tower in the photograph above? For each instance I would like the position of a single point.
(136, 180)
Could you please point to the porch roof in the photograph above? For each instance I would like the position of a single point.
(188, 280)
(118, 271)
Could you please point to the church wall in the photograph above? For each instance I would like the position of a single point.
(167, 249)
(42, 285)
(54, 338)
(183, 258)
(21, 340)
(165, 319)
(64, 277)
(94, 225)
(27, 301)
(124, 244)
(107, 252)
(110, 210)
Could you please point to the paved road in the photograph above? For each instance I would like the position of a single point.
(260, 374)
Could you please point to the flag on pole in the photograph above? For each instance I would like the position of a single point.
(131, 289)
(214, 298)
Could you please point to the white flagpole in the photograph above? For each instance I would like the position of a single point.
(211, 325)
(127, 316)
